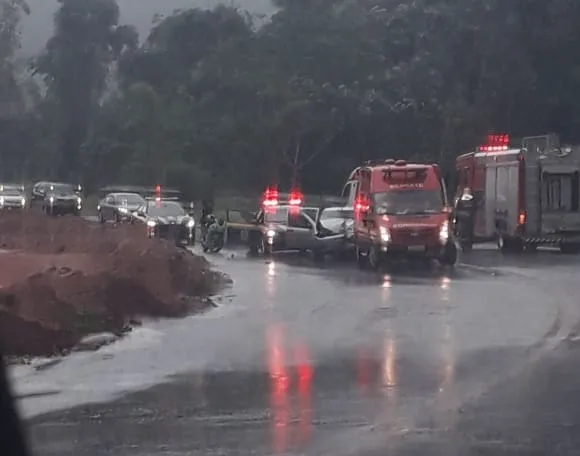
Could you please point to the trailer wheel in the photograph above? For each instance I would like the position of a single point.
(570, 247)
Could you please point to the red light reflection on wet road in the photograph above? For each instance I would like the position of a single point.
(305, 373)
(279, 385)
(289, 389)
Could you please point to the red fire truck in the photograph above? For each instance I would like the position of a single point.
(401, 209)
(524, 196)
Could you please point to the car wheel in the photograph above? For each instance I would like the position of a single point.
(318, 255)
(266, 249)
(101, 217)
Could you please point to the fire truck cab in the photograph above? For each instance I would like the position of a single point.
(401, 210)
(524, 196)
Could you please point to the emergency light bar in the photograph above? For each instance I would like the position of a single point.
(296, 198)
(495, 143)
(270, 197)
(407, 175)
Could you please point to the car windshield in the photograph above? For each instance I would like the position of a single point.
(61, 189)
(276, 215)
(129, 199)
(336, 214)
(165, 209)
(10, 190)
(404, 202)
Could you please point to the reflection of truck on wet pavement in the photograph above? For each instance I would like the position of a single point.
(525, 196)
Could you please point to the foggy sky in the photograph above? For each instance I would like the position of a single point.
(37, 27)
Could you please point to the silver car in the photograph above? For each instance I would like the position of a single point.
(318, 230)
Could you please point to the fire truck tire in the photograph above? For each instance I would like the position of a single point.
(507, 245)
(361, 258)
(570, 248)
(449, 257)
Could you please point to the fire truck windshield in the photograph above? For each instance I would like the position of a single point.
(411, 201)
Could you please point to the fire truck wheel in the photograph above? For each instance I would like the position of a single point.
(570, 248)
(509, 245)
(361, 258)
(449, 257)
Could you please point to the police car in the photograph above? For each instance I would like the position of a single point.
(284, 224)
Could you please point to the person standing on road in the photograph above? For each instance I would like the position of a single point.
(465, 207)
(206, 216)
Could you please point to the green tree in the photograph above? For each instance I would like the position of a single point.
(75, 64)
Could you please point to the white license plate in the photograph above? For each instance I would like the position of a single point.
(417, 248)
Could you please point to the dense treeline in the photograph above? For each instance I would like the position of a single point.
(217, 99)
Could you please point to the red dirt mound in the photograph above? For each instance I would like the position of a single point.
(62, 278)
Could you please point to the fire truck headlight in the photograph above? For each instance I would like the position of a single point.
(151, 223)
(385, 234)
(444, 233)
(191, 223)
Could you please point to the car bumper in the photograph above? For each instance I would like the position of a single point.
(180, 234)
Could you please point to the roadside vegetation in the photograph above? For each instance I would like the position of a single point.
(222, 100)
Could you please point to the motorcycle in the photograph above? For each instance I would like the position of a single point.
(213, 239)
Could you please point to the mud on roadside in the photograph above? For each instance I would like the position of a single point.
(63, 278)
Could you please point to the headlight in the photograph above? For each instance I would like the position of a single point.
(385, 234)
(23, 201)
(151, 223)
(79, 200)
(123, 210)
(271, 233)
(444, 232)
(190, 223)
(51, 199)
(1, 200)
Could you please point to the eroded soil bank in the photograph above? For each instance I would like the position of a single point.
(63, 278)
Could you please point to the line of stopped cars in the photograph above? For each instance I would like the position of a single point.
(160, 212)
(52, 198)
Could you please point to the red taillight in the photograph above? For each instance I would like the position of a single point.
(270, 197)
(522, 218)
(361, 205)
(296, 198)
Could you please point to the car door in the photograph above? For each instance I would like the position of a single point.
(240, 224)
(140, 215)
(108, 208)
(300, 231)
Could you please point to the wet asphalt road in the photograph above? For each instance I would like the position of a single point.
(300, 359)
